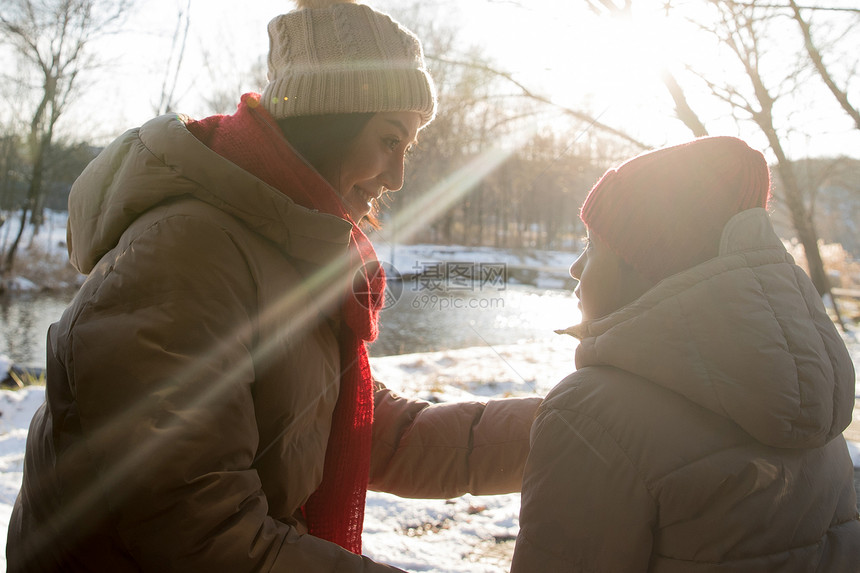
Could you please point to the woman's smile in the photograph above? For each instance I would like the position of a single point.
(374, 163)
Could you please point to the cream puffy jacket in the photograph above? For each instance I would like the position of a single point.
(191, 381)
(701, 431)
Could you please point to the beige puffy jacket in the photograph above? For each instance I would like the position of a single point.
(701, 431)
(191, 382)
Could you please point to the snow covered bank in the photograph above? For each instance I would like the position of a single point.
(42, 260)
(470, 534)
(544, 269)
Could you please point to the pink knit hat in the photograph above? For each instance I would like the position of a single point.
(664, 211)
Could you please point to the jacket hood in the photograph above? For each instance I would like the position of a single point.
(161, 161)
(744, 335)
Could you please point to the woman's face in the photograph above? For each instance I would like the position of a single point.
(373, 163)
(606, 281)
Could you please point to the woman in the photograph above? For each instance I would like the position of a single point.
(209, 403)
(702, 428)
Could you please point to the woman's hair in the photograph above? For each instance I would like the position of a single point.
(323, 140)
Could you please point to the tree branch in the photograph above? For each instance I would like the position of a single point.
(591, 120)
(818, 62)
(682, 108)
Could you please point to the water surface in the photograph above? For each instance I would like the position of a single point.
(420, 320)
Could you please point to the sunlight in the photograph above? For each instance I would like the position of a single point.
(451, 189)
(638, 48)
(616, 63)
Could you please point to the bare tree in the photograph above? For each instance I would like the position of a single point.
(683, 110)
(51, 40)
(526, 199)
(818, 61)
(167, 101)
(10, 161)
(741, 29)
(231, 75)
(582, 116)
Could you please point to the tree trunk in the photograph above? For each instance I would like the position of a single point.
(479, 215)
(9, 261)
(33, 194)
(805, 227)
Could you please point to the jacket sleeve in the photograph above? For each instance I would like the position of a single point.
(162, 362)
(584, 507)
(424, 450)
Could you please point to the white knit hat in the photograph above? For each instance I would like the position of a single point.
(339, 57)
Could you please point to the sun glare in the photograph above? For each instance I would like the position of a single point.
(613, 65)
(652, 40)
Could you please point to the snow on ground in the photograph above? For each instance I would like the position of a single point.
(471, 534)
(16, 410)
(852, 342)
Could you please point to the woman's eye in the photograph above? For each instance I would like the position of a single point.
(392, 143)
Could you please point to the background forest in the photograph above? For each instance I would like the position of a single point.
(518, 140)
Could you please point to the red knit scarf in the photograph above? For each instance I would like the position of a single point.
(252, 140)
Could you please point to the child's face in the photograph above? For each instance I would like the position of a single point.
(606, 282)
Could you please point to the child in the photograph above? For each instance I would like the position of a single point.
(702, 428)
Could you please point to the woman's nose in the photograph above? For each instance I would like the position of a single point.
(393, 177)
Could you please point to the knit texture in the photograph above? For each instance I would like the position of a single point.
(345, 58)
(664, 211)
(252, 140)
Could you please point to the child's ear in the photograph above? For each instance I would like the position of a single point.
(633, 283)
